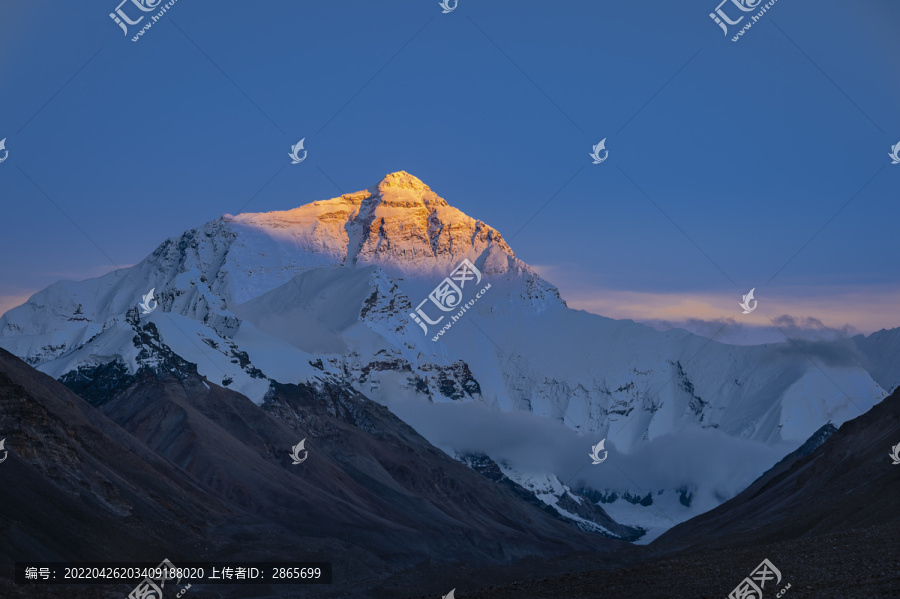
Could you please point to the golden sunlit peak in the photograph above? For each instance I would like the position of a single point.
(402, 180)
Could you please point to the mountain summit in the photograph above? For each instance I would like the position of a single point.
(399, 223)
(402, 180)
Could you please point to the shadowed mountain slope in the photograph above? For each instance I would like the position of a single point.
(166, 464)
(848, 482)
(370, 479)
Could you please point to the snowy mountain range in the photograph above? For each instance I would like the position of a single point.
(330, 291)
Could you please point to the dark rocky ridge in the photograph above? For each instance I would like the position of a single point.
(171, 465)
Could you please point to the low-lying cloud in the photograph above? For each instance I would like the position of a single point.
(837, 311)
(717, 465)
(803, 337)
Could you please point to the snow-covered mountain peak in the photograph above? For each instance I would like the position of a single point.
(399, 224)
(402, 180)
(402, 190)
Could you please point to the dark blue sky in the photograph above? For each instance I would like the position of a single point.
(725, 158)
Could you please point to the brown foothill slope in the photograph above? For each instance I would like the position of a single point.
(170, 465)
(369, 480)
(75, 486)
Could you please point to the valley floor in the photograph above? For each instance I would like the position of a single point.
(857, 564)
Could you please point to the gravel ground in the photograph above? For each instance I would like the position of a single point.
(859, 564)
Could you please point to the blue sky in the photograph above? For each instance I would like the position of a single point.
(726, 159)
